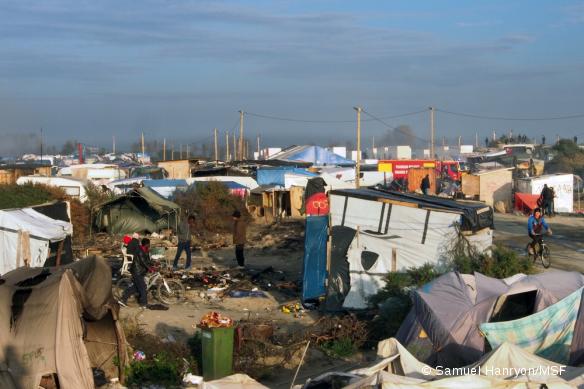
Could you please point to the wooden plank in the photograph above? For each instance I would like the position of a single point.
(416, 175)
(471, 185)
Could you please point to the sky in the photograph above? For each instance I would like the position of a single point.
(88, 70)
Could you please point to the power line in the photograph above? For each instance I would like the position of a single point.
(470, 115)
(390, 127)
(271, 117)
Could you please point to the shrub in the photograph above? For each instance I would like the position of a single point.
(20, 196)
(339, 348)
(213, 204)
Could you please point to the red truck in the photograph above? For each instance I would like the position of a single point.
(400, 167)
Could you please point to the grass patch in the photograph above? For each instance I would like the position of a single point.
(339, 348)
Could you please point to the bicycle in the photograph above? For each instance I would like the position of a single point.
(542, 252)
(166, 291)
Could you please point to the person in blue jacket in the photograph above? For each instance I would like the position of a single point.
(536, 227)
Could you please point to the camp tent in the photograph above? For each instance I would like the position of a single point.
(140, 210)
(448, 311)
(166, 188)
(25, 237)
(506, 367)
(374, 232)
(59, 322)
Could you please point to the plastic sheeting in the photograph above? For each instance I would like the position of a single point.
(316, 155)
(277, 176)
(315, 272)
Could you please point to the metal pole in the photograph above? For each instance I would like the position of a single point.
(240, 152)
(358, 166)
(432, 133)
(164, 149)
(227, 157)
(216, 147)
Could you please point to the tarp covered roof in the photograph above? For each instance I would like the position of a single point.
(164, 183)
(276, 175)
(316, 155)
(476, 215)
(35, 223)
(157, 202)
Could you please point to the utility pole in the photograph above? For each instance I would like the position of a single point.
(187, 150)
(246, 157)
(41, 145)
(431, 132)
(241, 156)
(181, 156)
(227, 156)
(216, 146)
(358, 166)
(142, 144)
(494, 135)
(114, 144)
(258, 146)
(459, 141)
(477, 140)
(164, 149)
(172, 152)
(373, 147)
(234, 147)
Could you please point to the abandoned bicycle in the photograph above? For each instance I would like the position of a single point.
(167, 291)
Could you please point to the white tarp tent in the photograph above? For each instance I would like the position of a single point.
(395, 234)
(25, 235)
(563, 185)
(249, 182)
(72, 187)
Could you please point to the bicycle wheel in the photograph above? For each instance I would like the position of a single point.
(545, 257)
(122, 284)
(530, 252)
(175, 292)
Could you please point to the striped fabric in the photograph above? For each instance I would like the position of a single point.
(547, 333)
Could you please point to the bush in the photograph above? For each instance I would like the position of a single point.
(20, 196)
(162, 369)
(339, 348)
(213, 204)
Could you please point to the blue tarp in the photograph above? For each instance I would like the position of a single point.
(314, 276)
(318, 156)
(275, 175)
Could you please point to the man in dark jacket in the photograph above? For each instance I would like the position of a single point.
(239, 238)
(546, 199)
(138, 269)
(425, 184)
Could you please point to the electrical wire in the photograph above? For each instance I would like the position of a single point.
(390, 127)
(566, 117)
(327, 121)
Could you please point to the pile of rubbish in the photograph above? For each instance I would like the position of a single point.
(215, 320)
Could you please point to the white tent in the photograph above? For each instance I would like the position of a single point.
(25, 235)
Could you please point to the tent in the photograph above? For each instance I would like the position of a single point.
(316, 155)
(26, 236)
(506, 367)
(59, 323)
(448, 311)
(525, 202)
(166, 187)
(140, 210)
(374, 232)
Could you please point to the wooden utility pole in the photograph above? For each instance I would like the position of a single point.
(216, 146)
(373, 148)
(477, 140)
(358, 166)
(246, 157)
(258, 146)
(114, 144)
(172, 152)
(241, 156)
(432, 133)
(187, 151)
(227, 156)
(164, 149)
(459, 142)
(181, 156)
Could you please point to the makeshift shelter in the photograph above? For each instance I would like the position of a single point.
(506, 367)
(26, 236)
(448, 311)
(374, 232)
(277, 175)
(563, 185)
(140, 210)
(248, 182)
(316, 155)
(60, 324)
(490, 186)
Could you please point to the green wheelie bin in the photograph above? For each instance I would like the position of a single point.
(217, 352)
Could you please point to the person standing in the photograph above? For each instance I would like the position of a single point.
(239, 238)
(138, 269)
(546, 199)
(425, 184)
(185, 230)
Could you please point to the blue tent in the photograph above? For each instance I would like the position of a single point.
(275, 175)
(318, 156)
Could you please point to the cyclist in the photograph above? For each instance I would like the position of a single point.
(536, 226)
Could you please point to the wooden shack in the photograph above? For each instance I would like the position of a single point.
(12, 172)
(416, 175)
(178, 168)
(490, 186)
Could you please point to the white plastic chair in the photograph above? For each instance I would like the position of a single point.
(128, 258)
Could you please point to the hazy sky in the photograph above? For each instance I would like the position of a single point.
(179, 68)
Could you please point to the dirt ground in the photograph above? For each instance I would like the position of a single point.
(281, 250)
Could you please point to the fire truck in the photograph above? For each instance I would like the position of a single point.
(400, 167)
